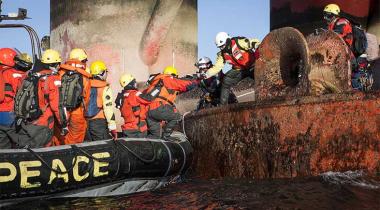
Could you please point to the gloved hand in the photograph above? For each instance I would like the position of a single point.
(114, 134)
(201, 76)
(65, 131)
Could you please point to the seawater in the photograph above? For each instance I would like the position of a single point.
(330, 190)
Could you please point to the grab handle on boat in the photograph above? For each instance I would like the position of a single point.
(136, 155)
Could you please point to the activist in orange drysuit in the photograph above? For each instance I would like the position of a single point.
(77, 125)
(10, 79)
(39, 132)
(133, 108)
(162, 108)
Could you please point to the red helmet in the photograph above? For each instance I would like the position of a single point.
(7, 56)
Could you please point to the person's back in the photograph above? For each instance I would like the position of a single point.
(240, 53)
(163, 91)
(11, 76)
(99, 112)
(343, 28)
(76, 89)
(133, 108)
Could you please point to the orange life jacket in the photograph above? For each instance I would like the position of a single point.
(343, 28)
(132, 111)
(166, 95)
(238, 57)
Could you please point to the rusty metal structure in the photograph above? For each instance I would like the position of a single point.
(306, 119)
(288, 138)
(330, 64)
(283, 65)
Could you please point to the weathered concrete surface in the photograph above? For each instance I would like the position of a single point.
(300, 137)
(131, 36)
(330, 70)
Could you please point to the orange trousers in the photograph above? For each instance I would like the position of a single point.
(77, 129)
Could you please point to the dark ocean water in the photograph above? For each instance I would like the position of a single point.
(348, 190)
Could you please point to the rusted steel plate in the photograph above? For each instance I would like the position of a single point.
(283, 65)
(293, 138)
(330, 63)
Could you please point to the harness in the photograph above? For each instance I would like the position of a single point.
(157, 90)
(237, 56)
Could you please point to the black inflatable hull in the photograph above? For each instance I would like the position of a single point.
(73, 169)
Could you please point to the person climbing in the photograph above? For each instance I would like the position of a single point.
(340, 25)
(352, 34)
(133, 108)
(37, 104)
(162, 91)
(210, 87)
(241, 53)
(75, 92)
(12, 72)
(99, 113)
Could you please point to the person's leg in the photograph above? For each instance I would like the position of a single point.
(98, 130)
(5, 142)
(77, 127)
(172, 117)
(34, 136)
(6, 121)
(132, 133)
(229, 80)
(153, 120)
(143, 129)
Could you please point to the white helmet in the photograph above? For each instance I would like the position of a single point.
(203, 63)
(221, 39)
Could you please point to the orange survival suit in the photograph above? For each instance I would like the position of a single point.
(162, 107)
(77, 124)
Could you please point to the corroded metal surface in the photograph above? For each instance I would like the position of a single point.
(290, 138)
(330, 70)
(283, 65)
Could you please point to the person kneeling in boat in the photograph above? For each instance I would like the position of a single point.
(210, 87)
(99, 113)
(132, 107)
(162, 91)
(11, 76)
(37, 103)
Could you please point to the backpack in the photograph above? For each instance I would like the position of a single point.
(71, 90)
(360, 43)
(93, 108)
(26, 100)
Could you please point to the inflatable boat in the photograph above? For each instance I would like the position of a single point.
(99, 168)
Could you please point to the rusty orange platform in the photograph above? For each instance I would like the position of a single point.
(287, 138)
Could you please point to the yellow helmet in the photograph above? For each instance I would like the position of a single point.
(98, 67)
(125, 79)
(78, 54)
(332, 8)
(170, 70)
(51, 56)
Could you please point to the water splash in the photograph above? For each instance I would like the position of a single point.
(355, 178)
